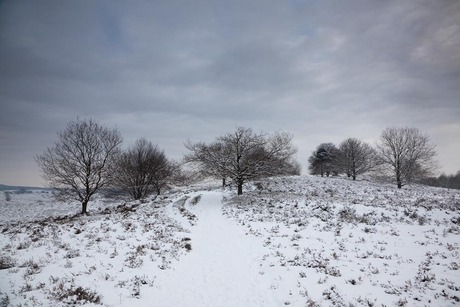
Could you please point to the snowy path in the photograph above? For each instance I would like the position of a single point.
(221, 270)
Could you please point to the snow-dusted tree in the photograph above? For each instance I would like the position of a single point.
(356, 157)
(142, 170)
(244, 155)
(324, 160)
(406, 154)
(81, 161)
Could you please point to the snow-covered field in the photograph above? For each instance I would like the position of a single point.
(296, 241)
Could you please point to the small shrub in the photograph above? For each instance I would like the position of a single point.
(67, 292)
(135, 284)
(6, 262)
(348, 214)
(4, 300)
(370, 230)
(32, 267)
(456, 220)
(259, 186)
(26, 288)
(133, 261)
(82, 295)
(333, 271)
(352, 282)
(402, 302)
(23, 245)
(374, 270)
(422, 220)
(72, 253)
(114, 253)
(322, 211)
(195, 200)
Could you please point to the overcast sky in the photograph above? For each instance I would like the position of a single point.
(170, 71)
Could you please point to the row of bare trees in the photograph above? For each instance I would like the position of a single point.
(405, 154)
(87, 157)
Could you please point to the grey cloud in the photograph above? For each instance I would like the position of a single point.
(324, 70)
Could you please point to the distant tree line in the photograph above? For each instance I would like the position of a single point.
(444, 181)
(403, 154)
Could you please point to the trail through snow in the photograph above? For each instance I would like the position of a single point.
(222, 269)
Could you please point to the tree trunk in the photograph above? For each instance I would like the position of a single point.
(398, 180)
(223, 183)
(398, 174)
(84, 206)
(240, 188)
(354, 177)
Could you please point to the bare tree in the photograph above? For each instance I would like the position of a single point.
(213, 160)
(81, 161)
(356, 157)
(323, 161)
(244, 155)
(406, 154)
(142, 170)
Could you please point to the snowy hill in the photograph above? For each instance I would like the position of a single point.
(298, 241)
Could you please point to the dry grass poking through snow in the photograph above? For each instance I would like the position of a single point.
(337, 242)
(323, 242)
(105, 258)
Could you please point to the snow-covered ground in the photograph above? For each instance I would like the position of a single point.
(298, 241)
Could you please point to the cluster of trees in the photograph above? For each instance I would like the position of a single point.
(87, 157)
(404, 154)
(353, 157)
